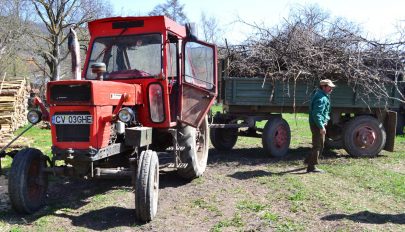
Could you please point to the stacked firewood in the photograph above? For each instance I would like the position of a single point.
(14, 96)
(310, 45)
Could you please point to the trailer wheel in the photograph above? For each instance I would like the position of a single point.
(276, 137)
(147, 186)
(364, 136)
(28, 183)
(195, 152)
(223, 139)
(334, 137)
(333, 143)
(400, 123)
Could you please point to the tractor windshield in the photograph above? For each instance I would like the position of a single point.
(135, 56)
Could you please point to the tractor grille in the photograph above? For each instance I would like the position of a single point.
(73, 132)
(71, 93)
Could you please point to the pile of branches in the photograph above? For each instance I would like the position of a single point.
(308, 45)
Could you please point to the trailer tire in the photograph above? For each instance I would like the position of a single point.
(27, 183)
(333, 143)
(147, 186)
(223, 139)
(364, 136)
(400, 123)
(195, 150)
(276, 137)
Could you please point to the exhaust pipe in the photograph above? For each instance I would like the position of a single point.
(74, 49)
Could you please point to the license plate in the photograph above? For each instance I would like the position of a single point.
(72, 119)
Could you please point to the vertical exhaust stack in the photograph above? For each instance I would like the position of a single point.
(74, 49)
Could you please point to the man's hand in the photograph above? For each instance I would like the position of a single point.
(323, 131)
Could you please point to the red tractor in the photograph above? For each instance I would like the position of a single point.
(144, 93)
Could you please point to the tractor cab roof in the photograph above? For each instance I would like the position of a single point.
(134, 25)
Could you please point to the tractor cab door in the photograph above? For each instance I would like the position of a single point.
(199, 81)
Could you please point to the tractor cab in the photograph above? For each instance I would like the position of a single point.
(177, 73)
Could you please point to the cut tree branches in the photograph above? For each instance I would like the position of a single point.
(309, 45)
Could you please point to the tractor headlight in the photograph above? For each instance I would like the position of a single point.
(34, 116)
(126, 115)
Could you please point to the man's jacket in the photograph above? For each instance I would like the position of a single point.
(319, 109)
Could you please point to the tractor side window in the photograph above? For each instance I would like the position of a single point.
(172, 59)
(199, 65)
(172, 73)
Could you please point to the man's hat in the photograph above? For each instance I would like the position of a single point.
(327, 82)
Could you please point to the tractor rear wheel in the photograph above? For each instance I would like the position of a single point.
(147, 186)
(28, 183)
(195, 152)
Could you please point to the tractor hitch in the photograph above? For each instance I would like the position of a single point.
(3, 150)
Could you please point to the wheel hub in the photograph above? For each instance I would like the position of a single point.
(280, 137)
(365, 137)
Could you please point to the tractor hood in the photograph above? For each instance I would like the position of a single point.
(92, 92)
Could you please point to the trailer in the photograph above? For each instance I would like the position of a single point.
(361, 124)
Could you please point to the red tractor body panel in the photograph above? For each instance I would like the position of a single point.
(150, 24)
(102, 93)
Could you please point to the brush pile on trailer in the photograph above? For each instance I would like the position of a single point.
(14, 96)
(311, 45)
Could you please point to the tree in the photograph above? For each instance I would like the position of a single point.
(210, 29)
(58, 16)
(172, 9)
(12, 31)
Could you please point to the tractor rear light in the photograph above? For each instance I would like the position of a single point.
(34, 116)
(126, 115)
(156, 108)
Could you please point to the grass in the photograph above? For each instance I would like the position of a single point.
(236, 221)
(207, 205)
(356, 194)
(41, 139)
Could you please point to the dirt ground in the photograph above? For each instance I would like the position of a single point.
(217, 202)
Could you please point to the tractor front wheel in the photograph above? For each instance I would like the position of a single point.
(147, 186)
(194, 142)
(28, 183)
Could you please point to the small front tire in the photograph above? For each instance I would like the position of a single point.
(147, 186)
(28, 182)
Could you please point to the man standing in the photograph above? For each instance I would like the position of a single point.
(319, 110)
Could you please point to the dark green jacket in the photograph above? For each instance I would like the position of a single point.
(319, 109)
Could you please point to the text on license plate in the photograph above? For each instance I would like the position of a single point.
(72, 119)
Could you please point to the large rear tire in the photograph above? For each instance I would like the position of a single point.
(28, 183)
(276, 137)
(195, 152)
(147, 186)
(364, 136)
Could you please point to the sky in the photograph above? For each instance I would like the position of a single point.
(378, 18)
